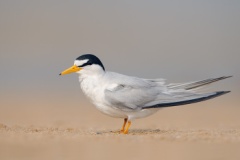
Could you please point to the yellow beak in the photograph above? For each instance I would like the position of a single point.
(72, 69)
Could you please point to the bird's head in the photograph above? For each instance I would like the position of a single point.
(86, 63)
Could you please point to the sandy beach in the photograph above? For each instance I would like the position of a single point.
(84, 133)
(74, 143)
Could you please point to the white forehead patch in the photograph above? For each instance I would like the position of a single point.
(80, 62)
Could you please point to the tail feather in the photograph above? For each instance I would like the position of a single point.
(185, 102)
(193, 85)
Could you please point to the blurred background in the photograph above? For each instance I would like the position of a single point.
(180, 41)
(177, 40)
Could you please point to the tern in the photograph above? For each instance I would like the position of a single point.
(128, 97)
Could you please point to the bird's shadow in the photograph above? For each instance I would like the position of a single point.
(132, 132)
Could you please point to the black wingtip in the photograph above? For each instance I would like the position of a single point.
(221, 93)
(224, 77)
(179, 103)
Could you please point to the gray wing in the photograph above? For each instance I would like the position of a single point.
(186, 93)
(130, 93)
(196, 84)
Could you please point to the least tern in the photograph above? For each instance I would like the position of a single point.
(129, 97)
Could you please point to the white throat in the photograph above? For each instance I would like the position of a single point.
(91, 72)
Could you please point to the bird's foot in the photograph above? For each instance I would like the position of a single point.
(123, 132)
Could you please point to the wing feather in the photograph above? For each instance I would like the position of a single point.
(132, 93)
(196, 84)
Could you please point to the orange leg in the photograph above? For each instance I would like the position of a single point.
(128, 126)
(124, 124)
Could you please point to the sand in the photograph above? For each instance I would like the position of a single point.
(33, 142)
(210, 132)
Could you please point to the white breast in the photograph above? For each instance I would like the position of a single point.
(93, 88)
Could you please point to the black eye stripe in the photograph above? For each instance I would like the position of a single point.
(86, 64)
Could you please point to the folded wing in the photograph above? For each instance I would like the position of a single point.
(185, 93)
(131, 93)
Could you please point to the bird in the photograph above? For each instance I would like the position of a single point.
(130, 97)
